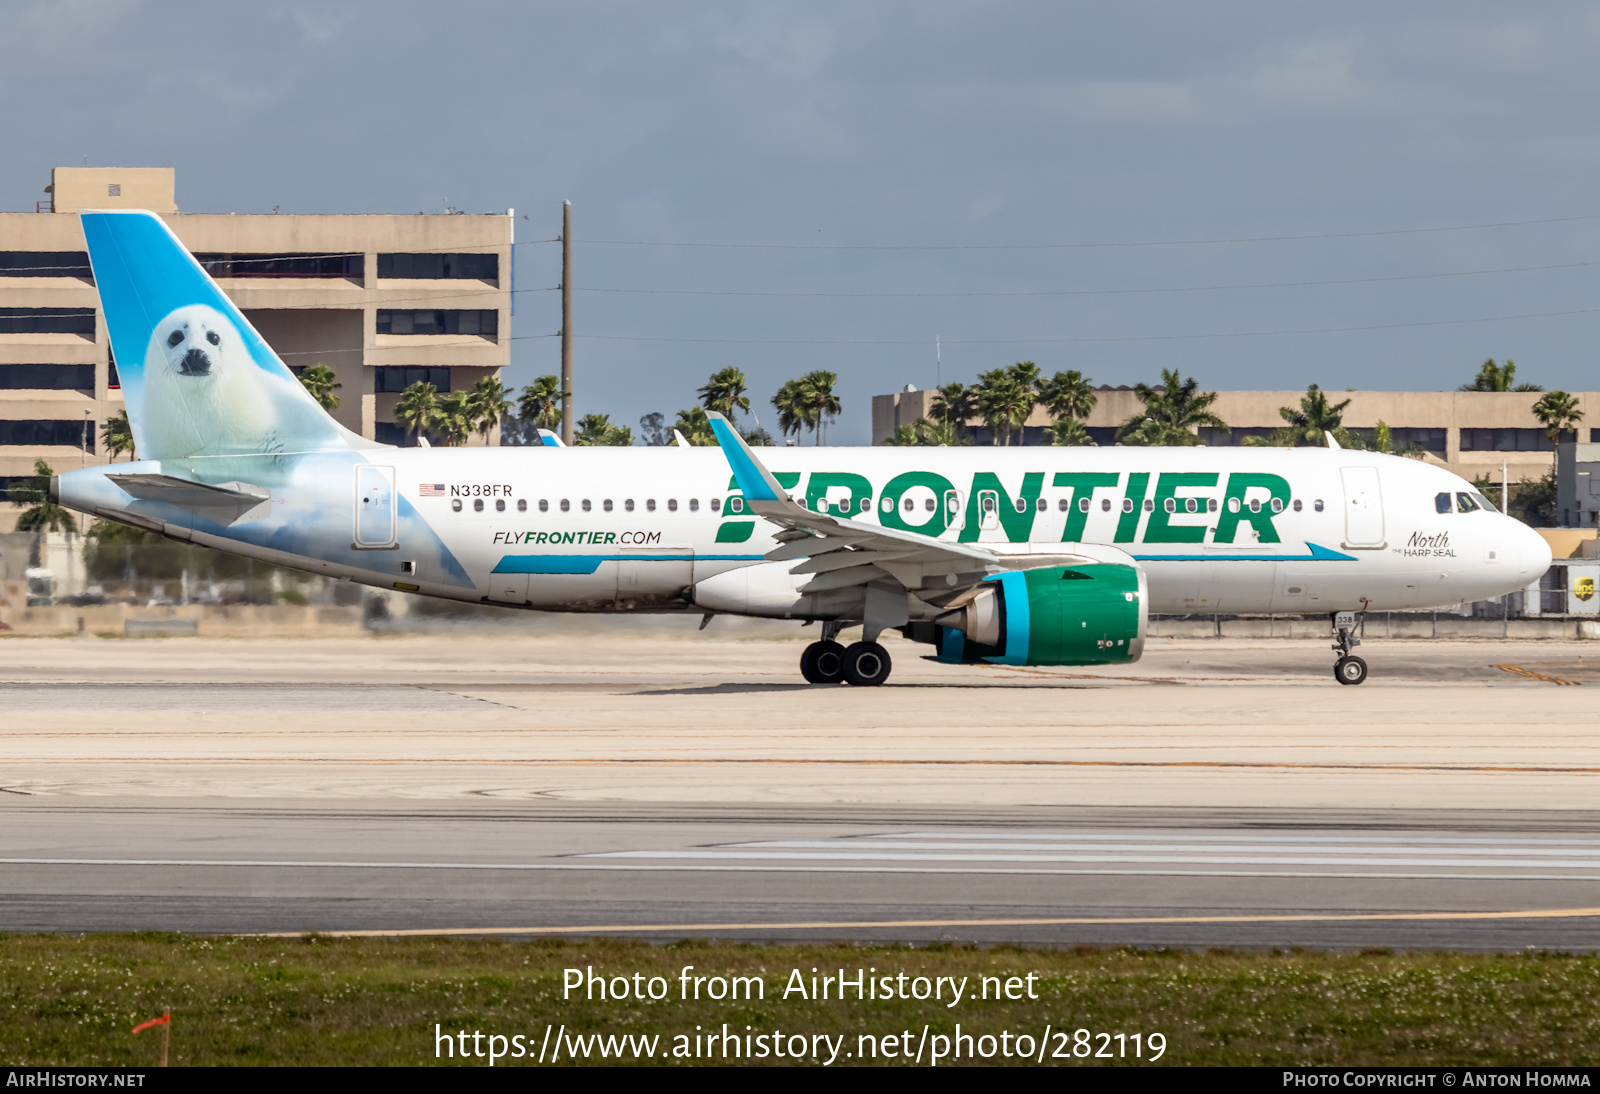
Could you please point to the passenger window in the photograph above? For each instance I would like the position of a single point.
(1083, 505)
(1105, 505)
(716, 505)
(522, 505)
(908, 505)
(1170, 505)
(544, 505)
(988, 503)
(650, 505)
(1149, 506)
(672, 505)
(628, 505)
(477, 505)
(1277, 505)
(694, 505)
(1063, 505)
(736, 505)
(586, 505)
(1190, 505)
(1296, 505)
(1317, 505)
(1041, 505)
(866, 505)
(928, 504)
(455, 505)
(1127, 505)
(566, 506)
(606, 505)
(1021, 505)
(1255, 505)
(1211, 505)
(1465, 504)
(1233, 505)
(1441, 502)
(499, 505)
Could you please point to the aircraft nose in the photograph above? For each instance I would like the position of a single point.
(1532, 552)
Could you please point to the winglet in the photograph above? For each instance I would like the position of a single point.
(755, 481)
(549, 440)
(1333, 444)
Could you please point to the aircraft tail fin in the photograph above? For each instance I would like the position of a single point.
(198, 380)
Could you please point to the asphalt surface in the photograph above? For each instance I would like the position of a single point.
(1211, 796)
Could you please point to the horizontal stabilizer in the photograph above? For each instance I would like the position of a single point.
(228, 504)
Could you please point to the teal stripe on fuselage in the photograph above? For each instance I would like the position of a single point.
(588, 564)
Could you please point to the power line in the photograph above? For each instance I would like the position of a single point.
(1100, 292)
(1077, 246)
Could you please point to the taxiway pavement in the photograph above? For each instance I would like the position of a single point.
(664, 784)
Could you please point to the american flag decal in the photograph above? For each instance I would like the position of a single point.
(431, 490)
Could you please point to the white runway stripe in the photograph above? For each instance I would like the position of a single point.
(1312, 855)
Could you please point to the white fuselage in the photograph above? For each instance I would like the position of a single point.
(637, 529)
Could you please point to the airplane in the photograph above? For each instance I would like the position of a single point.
(1009, 555)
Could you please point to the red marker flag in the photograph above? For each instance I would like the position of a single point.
(165, 1019)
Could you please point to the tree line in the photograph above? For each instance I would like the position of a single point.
(1174, 411)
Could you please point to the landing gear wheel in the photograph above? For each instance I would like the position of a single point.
(866, 664)
(1350, 670)
(822, 663)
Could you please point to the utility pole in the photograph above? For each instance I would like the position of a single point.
(1505, 488)
(566, 322)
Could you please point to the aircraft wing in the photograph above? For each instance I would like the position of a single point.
(229, 503)
(843, 552)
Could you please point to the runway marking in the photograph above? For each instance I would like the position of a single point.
(870, 924)
(1530, 674)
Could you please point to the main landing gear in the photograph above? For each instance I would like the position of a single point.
(1349, 669)
(864, 664)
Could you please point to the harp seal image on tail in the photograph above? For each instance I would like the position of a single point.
(204, 394)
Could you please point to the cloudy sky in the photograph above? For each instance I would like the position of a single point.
(1110, 187)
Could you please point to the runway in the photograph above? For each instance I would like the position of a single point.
(1211, 796)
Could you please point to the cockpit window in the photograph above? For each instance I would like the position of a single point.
(1441, 502)
(1484, 503)
(1464, 503)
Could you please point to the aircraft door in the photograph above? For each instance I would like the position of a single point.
(954, 517)
(1363, 507)
(988, 510)
(508, 588)
(654, 576)
(374, 506)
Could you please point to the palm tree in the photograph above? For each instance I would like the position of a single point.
(319, 382)
(1027, 374)
(1068, 395)
(490, 402)
(1004, 402)
(1070, 432)
(117, 436)
(695, 426)
(42, 514)
(821, 401)
(725, 393)
(417, 408)
(540, 403)
(1558, 412)
(596, 430)
(1312, 420)
(792, 409)
(926, 433)
(954, 405)
(454, 418)
(1172, 412)
(1493, 377)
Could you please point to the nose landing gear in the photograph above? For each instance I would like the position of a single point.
(1348, 669)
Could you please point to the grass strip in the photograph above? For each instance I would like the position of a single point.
(372, 1001)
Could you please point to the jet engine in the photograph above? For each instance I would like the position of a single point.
(1090, 614)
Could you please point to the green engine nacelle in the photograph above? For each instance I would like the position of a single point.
(1093, 614)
